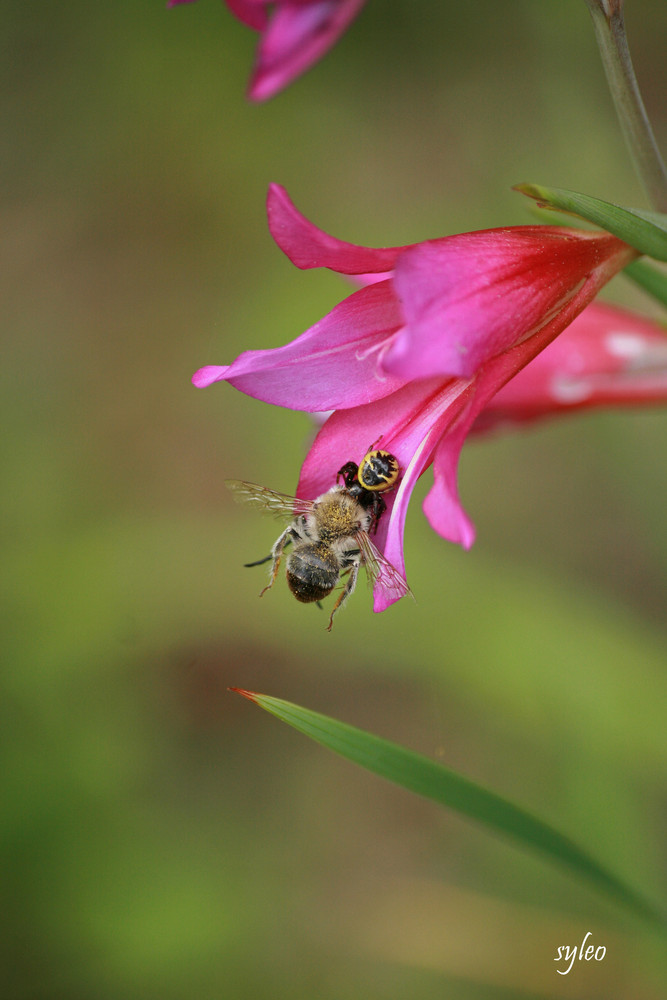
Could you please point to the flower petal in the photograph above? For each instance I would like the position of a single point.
(442, 505)
(307, 246)
(606, 357)
(332, 365)
(250, 12)
(298, 34)
(467, 298)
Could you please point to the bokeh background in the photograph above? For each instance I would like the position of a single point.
(161, 837)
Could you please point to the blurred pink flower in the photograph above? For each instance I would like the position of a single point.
(607, 357)
(410, 360)
(294, 35)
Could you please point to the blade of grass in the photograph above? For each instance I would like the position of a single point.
(645, 231)
(425, 777)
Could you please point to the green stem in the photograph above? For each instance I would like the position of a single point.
(610, 33)
(649, 278)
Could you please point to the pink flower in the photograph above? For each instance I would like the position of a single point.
(606, 357)
(410, 360)
(293, 36)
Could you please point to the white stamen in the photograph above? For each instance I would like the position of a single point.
(568, 390)
(380, 349)
(375, 348)
(624, 345)
(640, 355)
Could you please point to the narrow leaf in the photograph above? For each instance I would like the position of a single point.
(649, 278)
(645, 231)
(425, 777)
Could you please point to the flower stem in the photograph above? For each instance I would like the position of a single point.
(609, 27)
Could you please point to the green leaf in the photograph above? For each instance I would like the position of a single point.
(649, 278)
(645, 231)
(425, 777)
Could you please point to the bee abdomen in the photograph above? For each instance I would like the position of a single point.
(312, 572)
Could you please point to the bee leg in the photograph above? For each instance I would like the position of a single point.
(259, 562)
(377, 510)
(276, 555)
(345, 593)
(348, 473)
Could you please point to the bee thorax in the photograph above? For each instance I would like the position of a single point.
(338, 515)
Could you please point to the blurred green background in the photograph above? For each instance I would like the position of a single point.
(161, 837)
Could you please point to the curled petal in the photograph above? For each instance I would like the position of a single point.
(332, 365)
(442, 506)
(297, 35)
(468, 298)
(209, 374)
(307, 246)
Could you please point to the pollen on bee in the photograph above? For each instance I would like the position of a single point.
(339, 520)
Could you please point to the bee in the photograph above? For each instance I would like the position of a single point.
(330, 535)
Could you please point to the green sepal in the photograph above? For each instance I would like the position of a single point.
(434, 781)
(645, 231)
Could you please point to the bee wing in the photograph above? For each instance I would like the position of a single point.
(380, 571)
(259, 497)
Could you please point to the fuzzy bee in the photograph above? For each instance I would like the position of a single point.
(330, 535)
